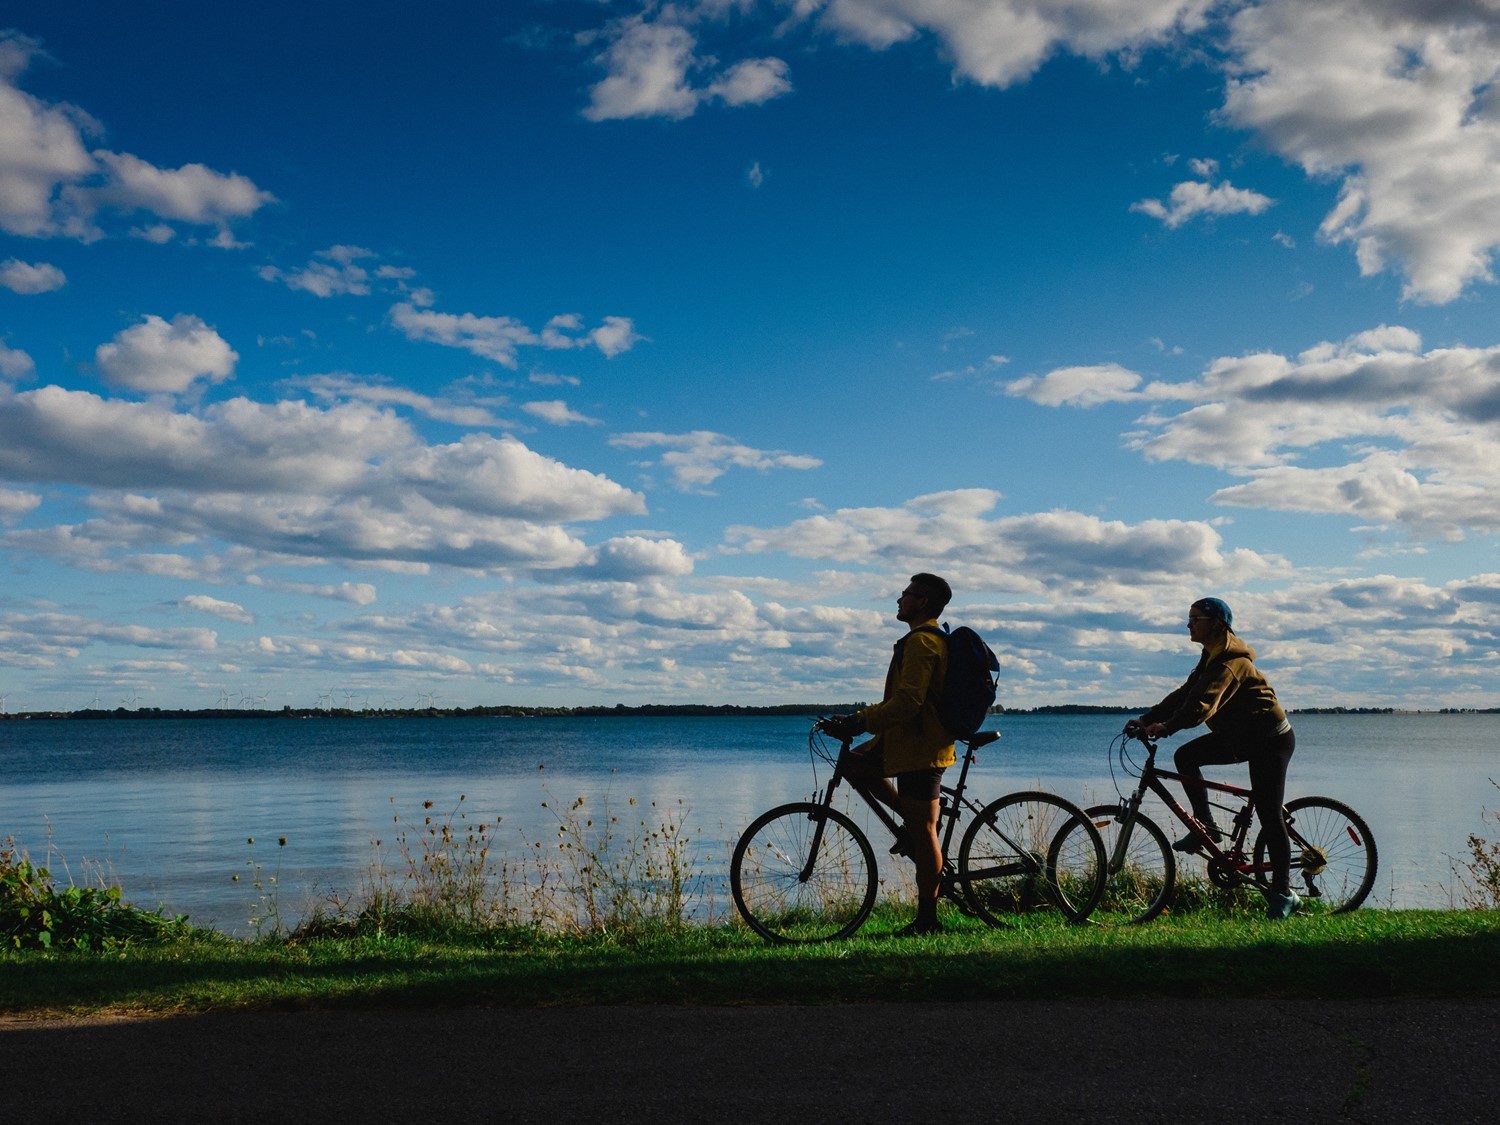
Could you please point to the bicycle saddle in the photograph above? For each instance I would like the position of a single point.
(981, 738)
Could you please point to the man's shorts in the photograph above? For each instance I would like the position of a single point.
(914, 785)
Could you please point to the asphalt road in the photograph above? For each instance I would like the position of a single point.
(1178, 1060)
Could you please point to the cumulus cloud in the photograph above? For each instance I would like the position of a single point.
(52, 183)
(27, 278)
(1397, 101)
(229, 611)
(155, 355)
(499, 338)
(1191, 199)
(1402, 437)
(955, 533)
(349, 483)
(699, 458)
(651, 66)
(14, 363)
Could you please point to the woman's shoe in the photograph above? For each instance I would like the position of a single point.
(1279, 906)
(1192, 842)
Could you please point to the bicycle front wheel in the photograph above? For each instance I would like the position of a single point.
(803, 872)
(1031, 853)
(1142, 875)
(1333, 854)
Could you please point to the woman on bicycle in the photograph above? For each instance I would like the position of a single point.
(1245, 724)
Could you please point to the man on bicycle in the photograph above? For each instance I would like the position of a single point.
(910, 745)
(1245, 724)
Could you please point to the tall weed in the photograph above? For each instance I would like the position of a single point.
(1479, 875)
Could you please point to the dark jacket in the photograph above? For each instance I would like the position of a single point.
(1227, 692)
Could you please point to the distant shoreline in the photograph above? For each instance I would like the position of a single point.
(650, 710)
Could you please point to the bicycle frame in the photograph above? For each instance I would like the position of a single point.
(1232, 856)
(951, 803)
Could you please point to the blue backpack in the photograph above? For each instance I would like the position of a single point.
(968, 689)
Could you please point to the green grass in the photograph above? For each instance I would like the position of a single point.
(1370, 953)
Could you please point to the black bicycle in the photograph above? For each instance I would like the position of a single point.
(1333, 851)
(805, 871)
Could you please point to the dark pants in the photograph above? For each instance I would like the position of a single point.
(1268, 758)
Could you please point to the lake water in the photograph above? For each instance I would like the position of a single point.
(168, 805)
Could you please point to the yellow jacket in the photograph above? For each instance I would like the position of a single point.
(905, 722)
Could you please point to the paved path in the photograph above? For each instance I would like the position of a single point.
(1242, 1060)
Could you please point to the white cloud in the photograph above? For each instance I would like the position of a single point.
(1001, 42)
(650, 65)
(1191, 199)
(157, 356)
(14, 504)
(558, 412)
(631, 558)
(1398, 436)
(51, 183)
(41, 148)
(14, 363)
(193, 193)
(229, 611)
(699, 458)
(499, 338)
(752, 82)
(955, 533)
(342, 387)
(158, 233)
(333, 272)
(756, 175)
(1397, 100)
(348, 483)
(1078, 386)
(26, 278)
(355, 593)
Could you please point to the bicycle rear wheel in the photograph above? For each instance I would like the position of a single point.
(803, 872)
(1142, 886)
(1333, 854)
(1031, 853)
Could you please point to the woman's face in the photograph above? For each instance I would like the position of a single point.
(1202, 627)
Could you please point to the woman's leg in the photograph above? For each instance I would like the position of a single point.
(1209, 750)
(1268, 789)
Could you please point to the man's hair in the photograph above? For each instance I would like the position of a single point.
(937, 592)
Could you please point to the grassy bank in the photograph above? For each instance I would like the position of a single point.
(1366, 954)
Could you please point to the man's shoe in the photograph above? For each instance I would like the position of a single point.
(917, 929)
(1193, 843)
(902, 846)
(1279, 906)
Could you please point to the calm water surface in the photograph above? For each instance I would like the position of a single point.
(167, 806)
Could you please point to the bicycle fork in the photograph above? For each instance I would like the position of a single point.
(820, 820)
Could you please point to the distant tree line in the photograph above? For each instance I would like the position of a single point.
(621, 710)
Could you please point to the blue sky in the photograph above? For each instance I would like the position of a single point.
(594, 352)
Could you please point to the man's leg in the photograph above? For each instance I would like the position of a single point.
(920, 814)
(865, 771)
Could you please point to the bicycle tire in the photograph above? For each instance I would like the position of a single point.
(1025, 855)
(1333, 853)
(766, 874)
(1147, 879)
